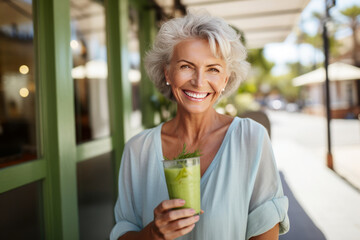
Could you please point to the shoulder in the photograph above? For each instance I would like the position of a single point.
(143, 139)
(248, 127)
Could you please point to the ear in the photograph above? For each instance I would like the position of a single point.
(166, 74)
(226, 80)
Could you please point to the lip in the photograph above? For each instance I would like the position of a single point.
(196, 99)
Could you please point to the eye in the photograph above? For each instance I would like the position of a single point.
(185, 66)
(214, 70)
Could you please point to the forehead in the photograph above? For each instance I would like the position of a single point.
(194, 48)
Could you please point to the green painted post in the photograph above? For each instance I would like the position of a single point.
(119, 87)
(146, 38)
(56, 100)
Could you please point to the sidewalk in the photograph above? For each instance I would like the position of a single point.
(322, 204)
(346, 150)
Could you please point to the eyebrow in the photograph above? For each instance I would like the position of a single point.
(214, 65)
(209, 65)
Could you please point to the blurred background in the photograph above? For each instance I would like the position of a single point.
(73, 90)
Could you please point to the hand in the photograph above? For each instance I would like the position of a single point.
(169, 223)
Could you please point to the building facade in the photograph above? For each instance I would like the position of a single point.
(70, 78)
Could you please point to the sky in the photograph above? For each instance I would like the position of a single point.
(282, 53)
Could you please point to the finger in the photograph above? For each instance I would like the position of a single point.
(168, 227)
(201, 212)
(181, 223)
(163, 220)
(178, 214)
(168, 204)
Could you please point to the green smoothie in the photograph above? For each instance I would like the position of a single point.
(184, 183)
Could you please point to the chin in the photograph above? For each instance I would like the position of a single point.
(200, 109)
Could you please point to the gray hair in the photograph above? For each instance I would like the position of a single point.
(197, 25)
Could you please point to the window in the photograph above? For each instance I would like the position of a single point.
(21, 213)
(96, 197)
(17, 83)
(90, 71)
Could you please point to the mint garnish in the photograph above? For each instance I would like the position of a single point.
(184, 154)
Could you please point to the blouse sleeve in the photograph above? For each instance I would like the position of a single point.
(125, 215)
(268, 205)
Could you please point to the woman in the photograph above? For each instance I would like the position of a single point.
(196, 60)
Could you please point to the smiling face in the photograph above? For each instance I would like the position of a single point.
(196, 76)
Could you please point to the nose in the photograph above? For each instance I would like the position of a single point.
(198, 79)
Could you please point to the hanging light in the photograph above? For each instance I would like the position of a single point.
(24, 92)
(23, 69)
(74, 44)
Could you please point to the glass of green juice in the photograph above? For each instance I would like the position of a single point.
(183, 181)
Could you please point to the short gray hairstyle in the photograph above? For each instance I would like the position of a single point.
(197, 25)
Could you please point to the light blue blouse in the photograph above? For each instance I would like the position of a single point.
(241, 192)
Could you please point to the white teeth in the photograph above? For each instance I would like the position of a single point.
(196, 95)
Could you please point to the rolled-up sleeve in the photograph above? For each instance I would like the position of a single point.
(121, 228)
(267, 215)
(125, 215)
(268, 205)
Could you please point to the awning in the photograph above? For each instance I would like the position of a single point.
(262, 21)
(337, 72)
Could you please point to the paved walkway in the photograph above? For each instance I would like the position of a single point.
(322, 204)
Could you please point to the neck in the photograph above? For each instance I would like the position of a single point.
(191, 128)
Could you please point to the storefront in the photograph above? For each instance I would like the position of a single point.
(73, 90)
(70, 95)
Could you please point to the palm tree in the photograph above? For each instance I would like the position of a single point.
(316, 41)
(353, 15)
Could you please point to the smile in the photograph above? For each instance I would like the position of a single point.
(195, 95)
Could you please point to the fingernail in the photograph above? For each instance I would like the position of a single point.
(192, 211)
(197, 217)
(182, 201)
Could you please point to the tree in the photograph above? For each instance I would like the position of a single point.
(261, 67)
(316, 41)
(353, 15)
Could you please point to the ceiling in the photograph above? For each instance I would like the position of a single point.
(15, 12)
(261, 21)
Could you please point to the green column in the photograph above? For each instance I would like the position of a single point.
(119, 87)
(56, 103)
(146, 37)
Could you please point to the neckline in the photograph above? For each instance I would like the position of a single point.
(217, 155)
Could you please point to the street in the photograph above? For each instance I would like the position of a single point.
(323, 204)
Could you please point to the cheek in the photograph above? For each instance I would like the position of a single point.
(217, 82)
(179, 78)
